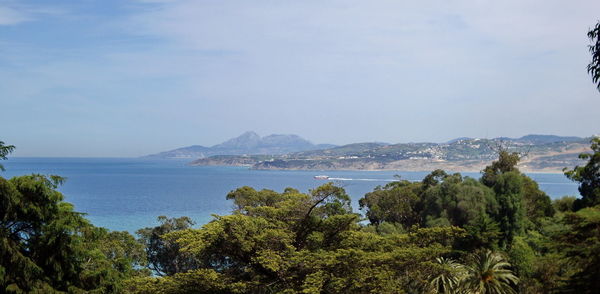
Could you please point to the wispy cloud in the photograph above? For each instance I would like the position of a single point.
(11, 16)
(14, 13)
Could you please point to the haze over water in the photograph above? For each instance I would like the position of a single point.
(128, 194)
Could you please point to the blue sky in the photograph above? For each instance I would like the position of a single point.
(133, 77)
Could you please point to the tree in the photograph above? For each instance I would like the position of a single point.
(594, 66)
(395, 202)
(164, 257)
(588, 177)
(37, 231)
(456, 201)
(508, 187)
(294, 242)
(564, 204)
(488, 273)
(485, 272)
(194, 281)
(439, 200)
(580, 242)
(448, 281)
(536, 203)
(506, 162)
(482, 232)
(4, 151)
(113, 257)
(521, 203)
(45, 246)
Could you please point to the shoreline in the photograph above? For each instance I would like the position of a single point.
(453, 170)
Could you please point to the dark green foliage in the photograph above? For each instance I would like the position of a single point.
(536, 203)
(508, 187)
(456, 200)
(493, 211)
(114, 257)
(448, 281)
(293, 242)
(164, 257)
(45, 246)
(483, 271)
(439, 200)
(580, 243)
(520, 201)
(36, 230)
(594, 66)
(506, 162)
(4, 151)
(564, 204)
(395, 202)
(190, 282)
(523, 259)
(588, 177)
(434, 178)
(482, 232)
(489, 272)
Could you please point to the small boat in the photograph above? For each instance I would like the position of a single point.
(322, 177)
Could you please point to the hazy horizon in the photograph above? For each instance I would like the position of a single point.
(129, 78)
(264, 135)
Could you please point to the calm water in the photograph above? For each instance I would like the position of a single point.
(128, 194)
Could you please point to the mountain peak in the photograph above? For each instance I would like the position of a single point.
(246, 140)
(540, 139)
(247, 143)
(249, 134)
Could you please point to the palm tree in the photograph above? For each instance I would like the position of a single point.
(448, 281)
(488, 273)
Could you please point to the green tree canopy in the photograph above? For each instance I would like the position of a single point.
(588, 177)
(580, 243)
(489, 272)
(484, 272)
(506, 162)
(4, 151)
(594, 66)
(395, 202)
(164, 257)
(294, 242)
(45, 246)
(520, 201)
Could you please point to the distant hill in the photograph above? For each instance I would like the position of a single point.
(248, 143)
(544, 139)
(347, 150)
(190, 152)
(529, 139)
(541, 153)
(458, 139)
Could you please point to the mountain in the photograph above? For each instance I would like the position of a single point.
(544, 139)
(458, 139)
(345, 150)
(528, 139)
(248, 143)
(190, 152)
(247, 140)
(540, 153)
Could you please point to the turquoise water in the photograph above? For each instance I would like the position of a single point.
(128, 194)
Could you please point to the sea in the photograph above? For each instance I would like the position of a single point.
(127, 194)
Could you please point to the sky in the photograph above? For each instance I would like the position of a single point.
(120, 78)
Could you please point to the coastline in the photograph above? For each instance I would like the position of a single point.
(555, 170)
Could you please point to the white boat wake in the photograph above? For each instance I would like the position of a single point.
(366, 180)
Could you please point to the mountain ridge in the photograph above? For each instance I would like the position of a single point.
(248, 143)
(544, 153)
